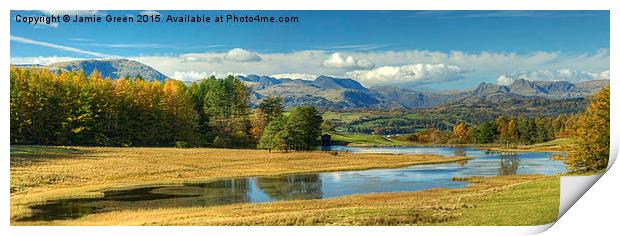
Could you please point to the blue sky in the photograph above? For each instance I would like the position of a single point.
(417, 49)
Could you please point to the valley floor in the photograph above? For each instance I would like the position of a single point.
(46, 173)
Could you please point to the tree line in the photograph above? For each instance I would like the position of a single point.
(72, 108)
(508, 131)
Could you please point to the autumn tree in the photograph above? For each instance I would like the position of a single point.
(258, 122)
(512, 133)
(502, 130)
(179, 116)
(265, 112)
(71, 108)
(592, 149)
(460, 132)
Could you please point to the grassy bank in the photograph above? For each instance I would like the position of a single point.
(45, 173)
(508, 200)
(557, 145)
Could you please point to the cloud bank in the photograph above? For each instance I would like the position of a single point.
(407, 67)
(556, 75)
(414, 74)
(241, 55)
(336, 60)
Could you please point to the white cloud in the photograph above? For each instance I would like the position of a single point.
(73, 12)
(43, 24)
(486, 65)
(190, 75)
(150, 13)
(601, 75)
(41, 60)
(336, 60)
(555, 75)
(241, 55)
(504, 80)
(203, 57)
(59, 47)
(409, 74)
(295, 76)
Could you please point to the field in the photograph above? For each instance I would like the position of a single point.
(348, 117)
(359, 139)
(46, 173)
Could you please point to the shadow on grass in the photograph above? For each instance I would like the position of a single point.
(22, 155)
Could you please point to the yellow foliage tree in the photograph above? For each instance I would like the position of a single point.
(592, 149)
(460, 132)
(259, 120)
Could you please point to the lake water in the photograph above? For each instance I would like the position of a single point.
(310, 186)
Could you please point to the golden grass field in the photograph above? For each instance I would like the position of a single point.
(46, 173)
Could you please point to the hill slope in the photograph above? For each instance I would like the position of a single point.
(113, 68)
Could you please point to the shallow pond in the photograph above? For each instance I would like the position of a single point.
(309, 186)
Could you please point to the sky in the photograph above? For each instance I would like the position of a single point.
(424, 50)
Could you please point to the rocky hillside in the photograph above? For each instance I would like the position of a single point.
(547, 89)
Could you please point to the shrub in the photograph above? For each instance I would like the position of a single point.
(181, 144)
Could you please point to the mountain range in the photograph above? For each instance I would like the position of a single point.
(343, 93)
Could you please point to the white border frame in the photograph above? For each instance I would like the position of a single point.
(608, 188)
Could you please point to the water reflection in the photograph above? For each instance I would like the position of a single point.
(462, 163)
(508, 164)
(460, 152)
(291, 186)
(219, 192)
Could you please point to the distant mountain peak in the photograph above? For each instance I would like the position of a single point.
(327, 82)
(542, 88)
(488, 88)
